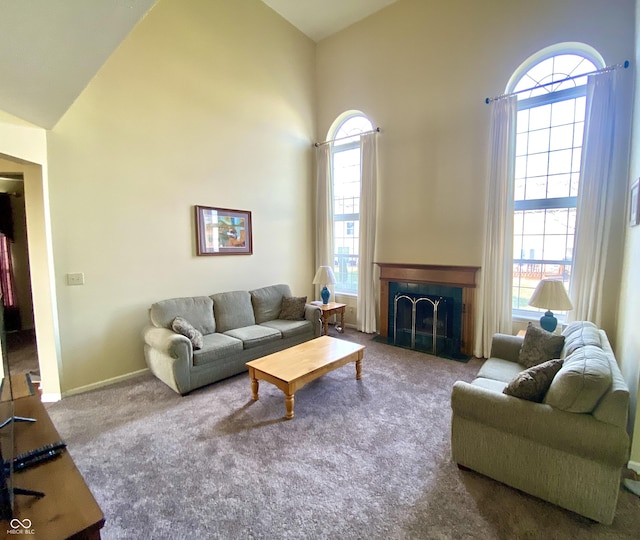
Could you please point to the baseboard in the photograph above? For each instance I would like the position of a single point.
(634, 466)
(102, 384)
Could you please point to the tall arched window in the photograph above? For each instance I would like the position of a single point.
(346, 150)
(550, 126)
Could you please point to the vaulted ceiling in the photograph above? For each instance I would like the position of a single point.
(49, 51)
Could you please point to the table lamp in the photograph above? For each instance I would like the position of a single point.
(324, 276)
(550, 294)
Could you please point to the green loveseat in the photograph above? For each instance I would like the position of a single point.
(236, 327)
(568, 449)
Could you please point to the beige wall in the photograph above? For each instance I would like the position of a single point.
(628, 336)
(205, 102)
(421, 69)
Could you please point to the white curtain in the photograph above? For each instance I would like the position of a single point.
(494, 294)
(324, 211)
(367, 281)
(595, 198)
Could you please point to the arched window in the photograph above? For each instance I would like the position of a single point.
(347, 173)
(550, 126)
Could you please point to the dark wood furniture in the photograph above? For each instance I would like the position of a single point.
(68, 510)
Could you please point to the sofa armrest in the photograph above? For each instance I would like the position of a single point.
(167, 341)
(579, 434)
(314, 314)
(506, 346)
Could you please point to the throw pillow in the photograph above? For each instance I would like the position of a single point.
(539, 346)
(184, 327)
(293, 308)
(532, 384)
(584, 378)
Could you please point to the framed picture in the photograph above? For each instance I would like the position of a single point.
(634, 213)
(221, 231)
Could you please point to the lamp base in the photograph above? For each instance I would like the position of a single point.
(324, 293)
(548, 322)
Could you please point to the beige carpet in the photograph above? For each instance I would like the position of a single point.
(363, 459)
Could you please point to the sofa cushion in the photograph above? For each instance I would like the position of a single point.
(198, 310)
(216, 347)
(184, 327)
(539, 346)
(532, 383)
(290, 328)
(580, 333)
(293, 308)
(489, 384)
(255, 335)
(583, 379)
(267, 302)
(232, 310)
(498, 369)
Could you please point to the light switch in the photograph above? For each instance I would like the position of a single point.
(76, 278)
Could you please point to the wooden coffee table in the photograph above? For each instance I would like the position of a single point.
(292, 368)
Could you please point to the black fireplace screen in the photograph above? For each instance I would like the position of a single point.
(425, 323)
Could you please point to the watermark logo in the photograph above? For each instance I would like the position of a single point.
(20, 526)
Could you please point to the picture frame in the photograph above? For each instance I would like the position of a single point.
(634, 208)
(223, 231)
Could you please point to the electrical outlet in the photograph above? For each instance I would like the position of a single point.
(76, 278)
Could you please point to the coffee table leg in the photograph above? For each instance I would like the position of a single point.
(358, 369)
(254, 384)
(342, 321)
(288, 401)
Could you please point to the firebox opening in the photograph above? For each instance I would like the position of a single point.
(426, 318)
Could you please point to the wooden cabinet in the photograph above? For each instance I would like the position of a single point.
(68, 509)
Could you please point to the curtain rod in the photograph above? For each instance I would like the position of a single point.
(612, 67)
(376, 130)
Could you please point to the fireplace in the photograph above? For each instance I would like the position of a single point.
(428, 307)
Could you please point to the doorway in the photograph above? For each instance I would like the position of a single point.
(16, 278)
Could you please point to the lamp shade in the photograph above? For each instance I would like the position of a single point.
(324, 276)
(550, 294)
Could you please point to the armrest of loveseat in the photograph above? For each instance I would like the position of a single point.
(314, 314)
(579, 434)
(168, 342)
(506, 346)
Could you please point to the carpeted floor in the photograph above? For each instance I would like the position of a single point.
(363, 459)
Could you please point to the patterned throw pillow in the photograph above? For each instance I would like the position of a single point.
(184, 327)
(532, 384)
(539, 346)
(293, 308)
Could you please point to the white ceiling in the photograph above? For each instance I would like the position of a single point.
(319, 19)
(51, 49)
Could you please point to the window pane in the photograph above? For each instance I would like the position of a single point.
(521, 143)
(561, 137)
(537, 164)
(540, 117)
(536, 188)
(557, 222)
(538, 141)
(559, 186)
(519, 190)
(533, 222)
(523, 121)
(560, 161)
(562, 112)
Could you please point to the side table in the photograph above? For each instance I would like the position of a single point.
(332, 308)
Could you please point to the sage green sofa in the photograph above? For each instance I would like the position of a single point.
(236, 327)
(547, 449)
